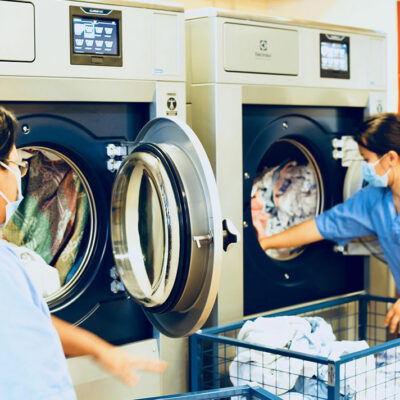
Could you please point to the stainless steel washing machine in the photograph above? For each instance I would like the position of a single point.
(120, 199)
(269, 98)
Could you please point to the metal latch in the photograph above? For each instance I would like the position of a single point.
(331, 375)
(202, 239)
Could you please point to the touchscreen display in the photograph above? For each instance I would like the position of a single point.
(95, 36)
(335, 56)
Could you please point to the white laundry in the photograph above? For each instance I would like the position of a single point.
(376, 385)
(353, 374)
(294, 396)
(44, 276)
(279, 374)
(384, 382)
(289, 197)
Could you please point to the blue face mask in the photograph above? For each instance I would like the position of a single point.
(11, 206)
(370, 175)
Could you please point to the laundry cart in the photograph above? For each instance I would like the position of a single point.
(368, 368)
(242, 392)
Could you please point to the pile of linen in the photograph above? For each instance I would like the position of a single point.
(292, 378)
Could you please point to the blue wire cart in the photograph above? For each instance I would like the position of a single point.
(369, 374)
(237, 392)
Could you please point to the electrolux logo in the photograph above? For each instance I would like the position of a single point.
(263, 47)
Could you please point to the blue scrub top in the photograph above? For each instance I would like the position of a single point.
(32, 362)
(370, 211)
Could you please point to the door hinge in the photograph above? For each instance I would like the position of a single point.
(115, 156)
(346, 149)
(116, 283)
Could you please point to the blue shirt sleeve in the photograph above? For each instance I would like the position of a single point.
(350, 219)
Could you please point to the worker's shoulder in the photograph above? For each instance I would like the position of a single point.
(6, 250)
(6, 253)
(373, 194)
(11, 270)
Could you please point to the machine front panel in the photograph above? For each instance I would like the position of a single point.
(296, 63)
(259, 49)
(87, 40)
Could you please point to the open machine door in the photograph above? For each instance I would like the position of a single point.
(167, 231)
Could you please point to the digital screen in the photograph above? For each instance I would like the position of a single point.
(334, 56)
(95, 36)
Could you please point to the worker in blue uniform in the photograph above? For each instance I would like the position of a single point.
(374, 210)
(32, 342)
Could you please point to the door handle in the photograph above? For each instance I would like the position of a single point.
(230, 234)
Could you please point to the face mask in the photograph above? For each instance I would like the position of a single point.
(370, 175)
(11, 205)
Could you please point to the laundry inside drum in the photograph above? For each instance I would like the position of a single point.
(286, 191)
(52, 230)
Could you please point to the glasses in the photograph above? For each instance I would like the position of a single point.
(22, 165)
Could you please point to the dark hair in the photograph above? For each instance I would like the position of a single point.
(8, 131)
(380, 133)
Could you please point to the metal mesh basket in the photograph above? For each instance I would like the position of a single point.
(234, 393)
(372, 373)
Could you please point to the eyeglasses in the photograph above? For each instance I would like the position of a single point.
(22, 165)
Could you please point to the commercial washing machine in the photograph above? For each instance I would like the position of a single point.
(274, 102)
(121, 204)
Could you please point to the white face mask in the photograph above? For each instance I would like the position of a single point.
(11, 205)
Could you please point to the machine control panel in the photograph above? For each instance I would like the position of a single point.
(95, 36)
(335, 56)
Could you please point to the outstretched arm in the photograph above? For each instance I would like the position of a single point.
(77, 341)
(299, 235)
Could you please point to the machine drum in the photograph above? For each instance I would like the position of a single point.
(52, 230)
(286, 191)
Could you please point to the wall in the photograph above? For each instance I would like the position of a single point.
(371, 14)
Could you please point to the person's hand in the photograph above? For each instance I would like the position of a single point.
(259, 218)
(124, 367)
(393, 318)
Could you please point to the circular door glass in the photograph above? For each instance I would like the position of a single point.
(286, 191)
(52, 231)
(146, 229)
